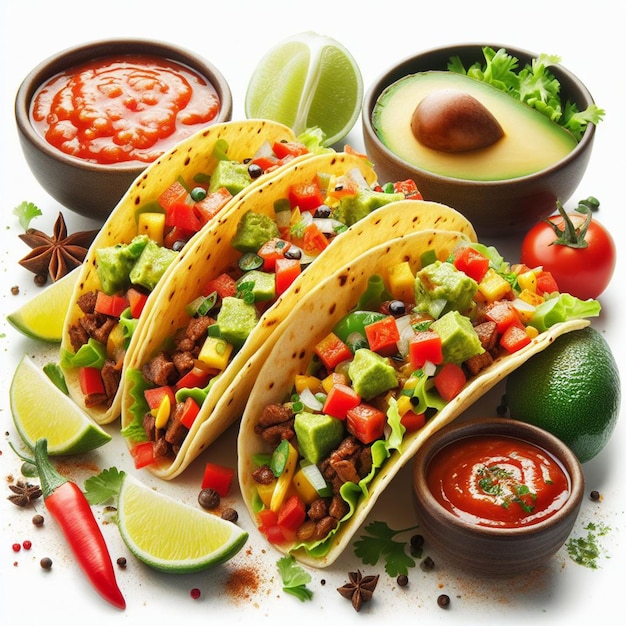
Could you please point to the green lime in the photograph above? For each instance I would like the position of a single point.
(42, 316)
(306, 81)
(172, 536)
(571, 389)
(41, 409)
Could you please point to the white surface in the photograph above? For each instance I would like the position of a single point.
(234, 35)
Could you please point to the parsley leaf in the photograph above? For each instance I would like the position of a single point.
(26, 211)
(380, 543)
(104, 486)
(295, 578)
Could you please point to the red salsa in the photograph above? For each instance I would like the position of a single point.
(498, 481)
(123, 109)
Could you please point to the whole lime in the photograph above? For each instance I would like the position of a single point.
(571, 389)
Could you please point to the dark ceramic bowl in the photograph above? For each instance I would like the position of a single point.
(494, 551)
(89, 188)
(495, 208)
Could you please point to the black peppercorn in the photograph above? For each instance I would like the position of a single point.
(209, 498)
(230, 515)
(443, 601)
(402, 580)
(46, 562)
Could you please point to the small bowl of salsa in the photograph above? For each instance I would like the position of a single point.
(92, 117)
(496, 497)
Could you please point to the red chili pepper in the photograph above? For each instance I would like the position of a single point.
(68, 506)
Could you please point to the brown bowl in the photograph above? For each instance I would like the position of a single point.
(487, 550)
(88, 188)
(499, 207)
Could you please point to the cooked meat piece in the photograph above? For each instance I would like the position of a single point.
(159, 370)
(318, 509)
(487, 334)
(111, 376)
(478, 363)
(338, 507)
(263, 475)
(87, 302)
(176, 430)
(323, 527)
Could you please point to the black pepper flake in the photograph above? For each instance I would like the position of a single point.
(595, 496)
(121, 561)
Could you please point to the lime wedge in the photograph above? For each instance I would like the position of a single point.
(172, 536)
(42, 317)
(41, 409)
(305, 81)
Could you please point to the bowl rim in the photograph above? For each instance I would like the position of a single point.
(510, 428)
(102, 48)
(383, 81)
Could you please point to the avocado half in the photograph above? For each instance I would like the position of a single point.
(531, 141)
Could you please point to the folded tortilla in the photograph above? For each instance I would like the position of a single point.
(195, 155)
(290, 354)
(213, 254)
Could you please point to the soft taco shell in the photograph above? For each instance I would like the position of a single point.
(310, 321)
(213, 254)
(190, 157)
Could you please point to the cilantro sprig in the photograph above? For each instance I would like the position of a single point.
(26, 212)
(104, 486)
(295, 578)
(379, 543)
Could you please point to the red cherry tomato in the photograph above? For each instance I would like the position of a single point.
(577, 250)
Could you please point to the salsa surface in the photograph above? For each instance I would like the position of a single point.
(123, 109)
(498, 481)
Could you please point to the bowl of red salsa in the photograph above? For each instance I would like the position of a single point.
(92, 117)
(496, 497)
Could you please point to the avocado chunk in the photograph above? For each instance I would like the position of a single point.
(318, 434)
(351, 209)
(151, 265)
(531, 141)
(263, 284)
(230, 174)
(459, 340)
(442, 281)
(371, 374)
(114, 263)
(236, 320)
(253, 230)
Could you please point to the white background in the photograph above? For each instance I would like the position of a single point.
(234, 35)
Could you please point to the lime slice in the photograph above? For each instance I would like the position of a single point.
(172, 536)
(42, 317)
(305, 81)
(41, 409)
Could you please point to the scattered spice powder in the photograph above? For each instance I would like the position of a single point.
(242, 583)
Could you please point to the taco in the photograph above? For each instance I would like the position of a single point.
(172, 202)
(385, 352)
(232, 289)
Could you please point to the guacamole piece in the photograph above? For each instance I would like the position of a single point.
(230, 174)
(351, 209)
(114, 263)
(263, 284)
(151, 265)
(236, 320)
(442, 281)
(459, 340)
(318, 434)
(253, 230)
(371, 374)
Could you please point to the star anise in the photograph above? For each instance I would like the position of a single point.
(359, 590)
(24, 493)
(56, 254)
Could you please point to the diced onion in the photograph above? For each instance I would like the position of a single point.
(437, 306)
(265, 149)
(327, 224)
(317, 480)
(429, 368)
(310, 401)
(406, 333)
(356, 175)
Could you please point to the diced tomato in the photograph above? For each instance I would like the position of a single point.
(449, 381)
(143, 454)
(267, 162)
(365, 422)
(514, 338)
(286, 271)
(413, 421)
(189, 412)
(217, 477)
(292, 149)
(155, 395)
(340, 398)
(307, 196)
(136, 301)
(90, 381)
(425, 346)
(313, 239)
(332, 351)
(383, 336)
(183, 215)
(503, 313)
(291, 514)
(272, 250)
(408, 188)
(224, 284)
(176, 234)
(207, 208)
(174, 194)
(267, 518)
(546, 283)
(195, 377)
(111, 305)
(471, 262)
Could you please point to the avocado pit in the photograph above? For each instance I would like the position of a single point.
(451, 120)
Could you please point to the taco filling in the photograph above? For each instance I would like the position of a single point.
(407, 349)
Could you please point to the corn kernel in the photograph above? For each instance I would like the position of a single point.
(531, 297)
(493, 287)
(527, 281)
(215, 352)
(531, 331)
(153, 225)
(305, 381)
(336, 378)
(401, 281)
(163, 413)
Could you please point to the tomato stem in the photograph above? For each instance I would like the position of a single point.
(568, 234)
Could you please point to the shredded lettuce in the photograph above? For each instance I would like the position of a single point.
(562, 307)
